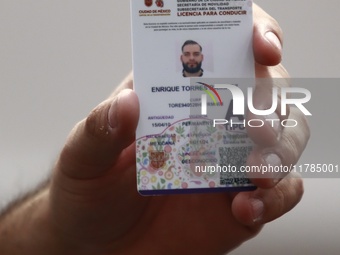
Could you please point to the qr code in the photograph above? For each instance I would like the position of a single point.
(233, 158)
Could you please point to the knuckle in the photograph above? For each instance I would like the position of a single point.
(280, 195)
(283, 71)
(281, 74)
(305, 125)
(291, 149)
(304, 132)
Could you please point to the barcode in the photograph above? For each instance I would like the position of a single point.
(234, 157)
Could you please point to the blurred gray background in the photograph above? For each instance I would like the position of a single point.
(59, 59)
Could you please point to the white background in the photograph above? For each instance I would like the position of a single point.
(58, 59)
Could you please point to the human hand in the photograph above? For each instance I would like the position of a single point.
(92, 206)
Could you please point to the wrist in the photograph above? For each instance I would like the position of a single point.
(26, 228)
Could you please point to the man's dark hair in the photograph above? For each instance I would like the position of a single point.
(191, 42)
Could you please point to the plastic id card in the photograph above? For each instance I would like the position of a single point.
(189, 57)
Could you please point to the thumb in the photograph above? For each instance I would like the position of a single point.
(268, 38)
(95, 143)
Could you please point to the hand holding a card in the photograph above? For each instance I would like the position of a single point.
(91, 205)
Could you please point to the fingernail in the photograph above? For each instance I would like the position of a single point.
(113, 117)
(274, 164)
(257, 207)
(112, 114)
(274, 40)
